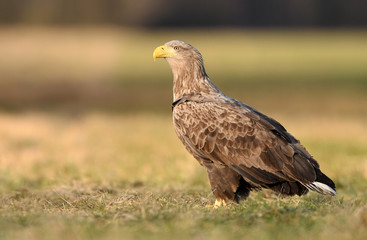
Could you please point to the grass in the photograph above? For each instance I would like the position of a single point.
(88, 151)
(103, 176)
(102, 213)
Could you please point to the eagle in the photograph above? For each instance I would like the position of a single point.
(241, 148)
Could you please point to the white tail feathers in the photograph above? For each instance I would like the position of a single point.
(321, 188)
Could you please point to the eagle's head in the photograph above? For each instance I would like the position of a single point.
(180, 55)
(177, 50)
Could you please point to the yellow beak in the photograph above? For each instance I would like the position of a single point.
(162, 52)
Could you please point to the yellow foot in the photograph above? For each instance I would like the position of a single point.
(219, 203)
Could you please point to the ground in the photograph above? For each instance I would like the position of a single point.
(107, 165)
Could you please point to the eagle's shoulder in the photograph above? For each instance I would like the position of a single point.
(227, 115)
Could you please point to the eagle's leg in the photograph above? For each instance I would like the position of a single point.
(227, 185)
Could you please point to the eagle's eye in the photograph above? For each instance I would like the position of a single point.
(176, 48)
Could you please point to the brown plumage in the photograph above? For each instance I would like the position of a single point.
(241, 148)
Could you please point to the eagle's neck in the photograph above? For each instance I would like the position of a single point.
(191, 79)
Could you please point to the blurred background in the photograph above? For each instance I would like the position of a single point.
(80, 55)
(79, 88)
(87, 145)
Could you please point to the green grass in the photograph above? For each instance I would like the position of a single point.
(88, 150)
(104, 213)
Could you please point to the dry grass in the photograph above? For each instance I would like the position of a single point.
(47, 149)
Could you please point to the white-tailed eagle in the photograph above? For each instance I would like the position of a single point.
(241, 148)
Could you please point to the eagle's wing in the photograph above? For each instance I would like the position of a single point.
(255, 146)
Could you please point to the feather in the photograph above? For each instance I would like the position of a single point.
(321, 188)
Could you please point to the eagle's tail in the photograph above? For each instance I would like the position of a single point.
(323, 185)
(321, 188)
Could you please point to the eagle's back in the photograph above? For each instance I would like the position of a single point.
(225, 132)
